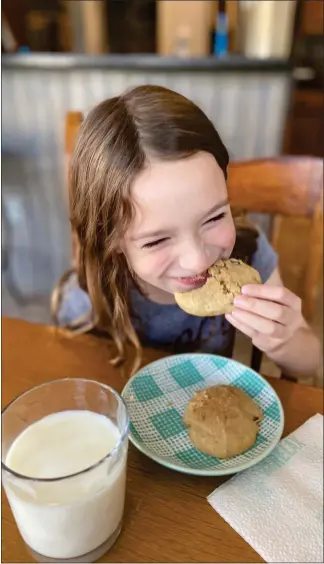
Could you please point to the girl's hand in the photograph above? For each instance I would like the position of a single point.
(269, 315)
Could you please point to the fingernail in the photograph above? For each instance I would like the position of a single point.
(236, 314)
(238, 300)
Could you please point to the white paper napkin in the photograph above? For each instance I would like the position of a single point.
(277, 506)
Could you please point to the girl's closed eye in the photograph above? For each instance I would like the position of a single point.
(158, 242)
(154, 243)
(215, 218)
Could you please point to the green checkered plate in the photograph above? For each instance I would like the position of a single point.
(156, 398)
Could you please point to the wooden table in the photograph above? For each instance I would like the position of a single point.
(167, 516)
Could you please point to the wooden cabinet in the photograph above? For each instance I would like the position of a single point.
(184, 25)
(305, 125)
(15, 12)
(312, 17)
(131, 26)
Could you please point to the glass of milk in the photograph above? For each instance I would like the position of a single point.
(64, 456)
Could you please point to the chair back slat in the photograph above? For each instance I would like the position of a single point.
(73, 122)
(290, 186)
(72, 125)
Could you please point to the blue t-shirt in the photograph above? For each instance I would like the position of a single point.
(168, 326)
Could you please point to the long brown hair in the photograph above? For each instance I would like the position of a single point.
(115, 142)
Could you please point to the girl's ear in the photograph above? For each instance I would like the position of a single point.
(120, 244)
(119, 247)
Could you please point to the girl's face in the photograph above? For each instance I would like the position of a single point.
(182, 225)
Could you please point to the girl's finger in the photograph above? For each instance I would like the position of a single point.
(257, 338)
(277, 294)
(248, 331)
(269, 310)
(260, 324)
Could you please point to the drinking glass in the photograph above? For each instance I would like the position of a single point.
(78, 517)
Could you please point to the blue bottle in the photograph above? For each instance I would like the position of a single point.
(221, 32)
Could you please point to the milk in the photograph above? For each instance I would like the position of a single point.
(70, 517)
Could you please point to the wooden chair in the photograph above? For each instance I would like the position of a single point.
(286, 188)
(290, 189)
(72, 125)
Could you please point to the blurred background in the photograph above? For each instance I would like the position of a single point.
(255, 67)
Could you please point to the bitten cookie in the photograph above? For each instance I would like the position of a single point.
(223, 421)
(225, 281)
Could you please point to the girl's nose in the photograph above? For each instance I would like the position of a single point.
(194, 258)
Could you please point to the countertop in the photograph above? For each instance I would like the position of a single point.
(70, 61)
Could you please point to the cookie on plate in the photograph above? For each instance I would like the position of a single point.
(223, 421)
(224, 281)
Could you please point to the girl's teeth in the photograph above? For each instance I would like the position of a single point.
(198, 277)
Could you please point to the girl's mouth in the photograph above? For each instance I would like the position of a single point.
(194, 281)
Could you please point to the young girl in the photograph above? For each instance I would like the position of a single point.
(150, 212)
